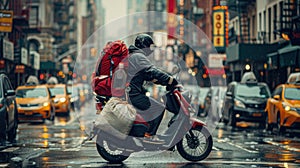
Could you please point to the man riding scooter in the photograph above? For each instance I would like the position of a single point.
(141, 70)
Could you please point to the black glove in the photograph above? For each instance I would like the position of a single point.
(172, 85)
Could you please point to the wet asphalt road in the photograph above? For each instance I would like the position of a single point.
(59, 144)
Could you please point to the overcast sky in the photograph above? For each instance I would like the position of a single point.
(114, 9)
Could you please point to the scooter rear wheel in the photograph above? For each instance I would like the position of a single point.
(196, 145)
(109, 152)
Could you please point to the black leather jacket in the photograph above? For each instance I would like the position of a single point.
(140, 69)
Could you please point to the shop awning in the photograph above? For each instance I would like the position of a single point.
(251, 52)
(288, 55)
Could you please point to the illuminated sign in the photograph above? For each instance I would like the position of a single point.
(171, 19)
(6, 20)
(216, 60)
(220, 28)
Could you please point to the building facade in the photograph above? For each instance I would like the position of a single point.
(263, 39)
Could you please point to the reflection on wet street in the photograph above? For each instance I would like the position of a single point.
(59, 144)
(60, 135)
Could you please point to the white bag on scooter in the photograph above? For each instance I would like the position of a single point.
(116, 118)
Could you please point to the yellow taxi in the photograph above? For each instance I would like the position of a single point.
(61, 100)
(283, 108)
(34, 103)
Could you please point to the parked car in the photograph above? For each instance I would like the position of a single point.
(35, 103)
(246, 101)
(61, 100)
(8, 111)
(283, 108)
(213, 102)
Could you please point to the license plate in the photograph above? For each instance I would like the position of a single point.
(257, 114)
(28, 113)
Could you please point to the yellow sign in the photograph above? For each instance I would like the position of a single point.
(6, 21)
(220, 28)
(219, 20)
(219, 41)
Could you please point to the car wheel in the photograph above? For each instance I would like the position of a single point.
(3, 128)
(225, 120)
(262, 125)
(232, 119)
(52, 115)
(69, 109)
(12, 134)
(280, 128)
(269, 127)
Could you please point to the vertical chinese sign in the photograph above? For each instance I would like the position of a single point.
(220, 28)
(171, 19)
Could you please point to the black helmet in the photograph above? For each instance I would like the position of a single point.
(144, 42)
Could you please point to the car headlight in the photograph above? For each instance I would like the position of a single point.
(240, 104)
(46, 104)
(56, 100)
(62, 99)
(288, 108)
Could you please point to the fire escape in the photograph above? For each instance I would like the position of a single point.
(240, 9)
(289, 22)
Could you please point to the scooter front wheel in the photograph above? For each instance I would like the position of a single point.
(196, 145)
(110, 152)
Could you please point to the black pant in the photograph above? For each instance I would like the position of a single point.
(150, 109)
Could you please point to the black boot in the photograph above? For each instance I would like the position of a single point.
(154, 124)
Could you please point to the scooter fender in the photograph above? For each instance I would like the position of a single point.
(196, 122)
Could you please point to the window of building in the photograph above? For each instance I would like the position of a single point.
(280, 14)
(264, 22)
(269, 23)
(253, 28)
(34, 13)
(275, 22)
(259, 22)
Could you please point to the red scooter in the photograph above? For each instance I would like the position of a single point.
(190, 135)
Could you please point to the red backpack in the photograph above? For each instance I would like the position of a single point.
(112, 54)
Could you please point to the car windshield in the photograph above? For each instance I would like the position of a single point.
(256, 91)
(32, 93)
(73, 90)
(57, 90)
(292, 93)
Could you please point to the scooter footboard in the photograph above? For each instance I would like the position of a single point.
(127, 143)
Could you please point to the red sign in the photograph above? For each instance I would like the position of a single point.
(172, 19)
